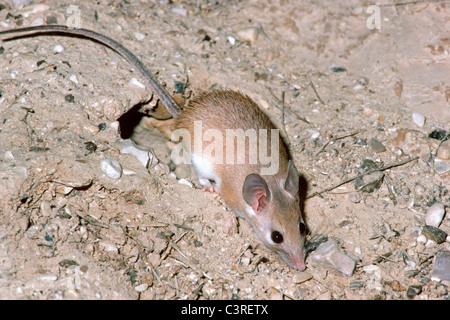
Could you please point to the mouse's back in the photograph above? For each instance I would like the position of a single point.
(268, 201)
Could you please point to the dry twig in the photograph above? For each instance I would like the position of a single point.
(389, 166)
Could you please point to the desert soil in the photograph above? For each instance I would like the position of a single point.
(68, 231)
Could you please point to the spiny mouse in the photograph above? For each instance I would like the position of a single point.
(269, 202)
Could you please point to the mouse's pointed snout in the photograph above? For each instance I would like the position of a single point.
(298, 263)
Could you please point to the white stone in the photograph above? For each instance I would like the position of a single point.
(74, 79)
(37, 22)
(231, 40)
(145, 157)
(141, 287)
(422, 239)
(58, 48)
(180, 11)
(139, 36)
(48, 277)
(185, 182)
(435, 214)
(250, 34)
(111, 168)
(418, 118)
(135, 82)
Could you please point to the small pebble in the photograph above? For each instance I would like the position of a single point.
(9, 155)
(108, 246)
(433, 233)
(354, 197)
(129, 147)
(69, 98)
(20, 3)
(418, 119)
(376, 145)
(58, 48)
(135, 82)
(374, 280)
(250, 34)
(435, 214)
(440, 166)
(111, 168)
(441, 269)
(231, 40)
(365, 181)
(74, 79)
(337, 69)
(141, 287)
(413, 291)
(139, 36)
(180, 11)
(48, 277)
(300, 277)
(330, 256)
(443, 152)
(185, 182)
(422, 239)
(37, 22)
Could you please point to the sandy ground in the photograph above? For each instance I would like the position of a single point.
(68, 231)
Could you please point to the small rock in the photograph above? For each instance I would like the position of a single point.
(374, 280)
(180, 11)
(300, 277)
(413, 291)
(69, 98)
(441, 269)
(20, 3)
(58, 48)
(111, 168)
(329, 255)
(185, 182)
(137, 83)
(231, 40)
(433, 233)
(108, 246)
(48, 277)
(435, 214)
(422, 239)
(354, 197)
(439, 165)
(145, 156)
(418, 119)
(139, 36)
(367, 179)
(250, 34)
(9, 155)
(74, 79)
(141, 287)
(376, 145)
(337, 69)
(37, 22)
(443, 152)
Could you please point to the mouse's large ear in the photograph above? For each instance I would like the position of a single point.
(255, 192)
(292, 179)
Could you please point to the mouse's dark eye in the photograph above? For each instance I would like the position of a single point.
(301, 227)
(277, 237)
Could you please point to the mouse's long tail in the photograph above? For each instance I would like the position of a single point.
(160, 92)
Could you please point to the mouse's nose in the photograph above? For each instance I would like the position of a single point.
(298, 263)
